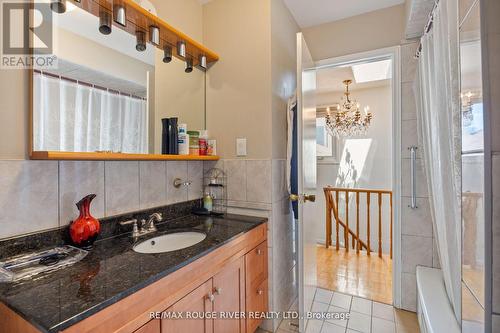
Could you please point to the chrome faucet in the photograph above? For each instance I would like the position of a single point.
(146, 226)
(149, 226)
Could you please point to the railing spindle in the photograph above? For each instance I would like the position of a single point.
(357, 222)
(346, 229)
(328, 223)
(368, 250)
(380, 225)
(337, 218)
(390, 198)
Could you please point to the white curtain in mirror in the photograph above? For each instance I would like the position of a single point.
(74, 117)
(437, 91)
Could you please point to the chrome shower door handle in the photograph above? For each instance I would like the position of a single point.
(413, 176)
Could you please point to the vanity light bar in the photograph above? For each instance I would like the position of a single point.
(58, 6)
(104, 22)
(167, 54)
(120, 15)
(189, 65)
(202, 62)
(141, 41)
(181, 49)
(154, 35)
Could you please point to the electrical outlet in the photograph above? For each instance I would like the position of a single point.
(241, 147)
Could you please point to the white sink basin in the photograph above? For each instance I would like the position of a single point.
(170, 242)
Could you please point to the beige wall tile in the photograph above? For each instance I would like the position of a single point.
(409, 137)
(176, 169)
(195, 176)
(29, 197)
(416, 222)
(280, 190)
(492, 11)
(408, 104)
(259, 183)
(415, 250)
(236, 172)
(153, 192)
(409, 294)
(76, 180)
(408, 62)
(406, 178)
(496, 323)
(122, 187)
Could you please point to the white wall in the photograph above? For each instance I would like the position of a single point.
(365, 162)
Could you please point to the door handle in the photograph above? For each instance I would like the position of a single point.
(303, 197)
(309, 197)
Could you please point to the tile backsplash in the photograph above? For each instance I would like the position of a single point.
(41, 195)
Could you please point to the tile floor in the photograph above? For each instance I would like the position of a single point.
(365, 316)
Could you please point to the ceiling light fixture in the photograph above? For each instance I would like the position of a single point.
(167, 53)
(141, 41)
(181, 49)
(120, 15)
(154, 35)
(347, 119)
(58, 6)
(104, 22)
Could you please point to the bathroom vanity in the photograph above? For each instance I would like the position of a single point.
(116, 289)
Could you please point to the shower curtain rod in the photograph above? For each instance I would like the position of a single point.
(427, 28)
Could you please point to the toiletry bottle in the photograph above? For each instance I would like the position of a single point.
(173, 137)
(165, 136)
(203, 142)
(183, 144)
(207, 202)
(194, 144)
(212, 147)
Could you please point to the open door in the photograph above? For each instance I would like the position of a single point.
(306, 136)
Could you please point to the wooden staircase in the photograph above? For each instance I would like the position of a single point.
(332, 195)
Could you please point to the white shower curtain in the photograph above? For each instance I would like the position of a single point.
(74, 117)
(437, 91)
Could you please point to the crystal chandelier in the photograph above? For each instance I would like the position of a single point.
(347, 119)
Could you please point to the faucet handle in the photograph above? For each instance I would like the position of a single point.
(135, 229)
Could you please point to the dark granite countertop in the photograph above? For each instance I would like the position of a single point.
(112, 271)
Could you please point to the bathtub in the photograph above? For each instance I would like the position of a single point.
(434, 311)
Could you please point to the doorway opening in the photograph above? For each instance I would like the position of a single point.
(356, 178)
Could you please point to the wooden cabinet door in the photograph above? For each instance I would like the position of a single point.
(229, 291)
(256, 285)
(151, 327)
(198, 301)
(257, 302)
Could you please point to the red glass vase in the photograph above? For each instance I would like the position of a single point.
(85, 229)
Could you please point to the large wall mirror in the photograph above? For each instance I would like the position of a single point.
(104, 95)
(473, 232)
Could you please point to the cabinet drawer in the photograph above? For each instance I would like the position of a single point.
(257, 302)
(256, 265)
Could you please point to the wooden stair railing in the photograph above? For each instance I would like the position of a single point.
(332, 205)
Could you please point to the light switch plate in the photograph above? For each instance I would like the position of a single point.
(241, 147)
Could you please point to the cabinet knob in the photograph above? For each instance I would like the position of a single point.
(211, 297)
(218, 290)
(259, 252)
(260, 292)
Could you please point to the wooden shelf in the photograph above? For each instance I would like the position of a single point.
(139, 18)
(73, 156)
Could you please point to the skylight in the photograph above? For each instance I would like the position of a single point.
(372, 71)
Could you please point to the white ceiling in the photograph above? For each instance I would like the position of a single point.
(313, 12)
